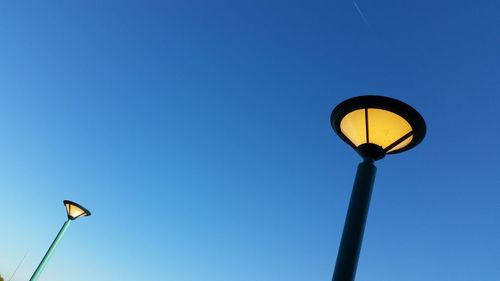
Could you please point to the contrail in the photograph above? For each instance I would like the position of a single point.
(22, 260)
(361, 13)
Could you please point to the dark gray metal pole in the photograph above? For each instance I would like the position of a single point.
(352, 236)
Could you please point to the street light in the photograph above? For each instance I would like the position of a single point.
(374, 126)
(73, 211)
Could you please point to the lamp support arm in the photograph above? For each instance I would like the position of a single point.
(352, 236)
(50, 251)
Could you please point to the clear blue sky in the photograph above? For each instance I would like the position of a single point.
(197, 132)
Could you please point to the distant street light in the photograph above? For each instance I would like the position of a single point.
(74, 211)
(374, 126)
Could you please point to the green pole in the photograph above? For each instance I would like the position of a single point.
(50, 251)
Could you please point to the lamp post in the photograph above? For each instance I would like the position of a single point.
(374, 126)
(74, 211)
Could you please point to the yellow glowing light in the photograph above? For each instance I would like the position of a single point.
(353, 126)
(384, 128)
(401, 144)
(376, 125)
(74, 211)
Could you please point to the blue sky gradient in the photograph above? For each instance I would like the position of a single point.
(197, 132)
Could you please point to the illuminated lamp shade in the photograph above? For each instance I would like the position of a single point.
(375, 125)
(75, 210)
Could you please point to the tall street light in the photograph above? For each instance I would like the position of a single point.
(374, 126)
(74, 211)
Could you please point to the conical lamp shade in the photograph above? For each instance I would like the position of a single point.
(75, 210)
(376, 125)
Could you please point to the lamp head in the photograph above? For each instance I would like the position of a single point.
(375, 125)
(75, 210)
